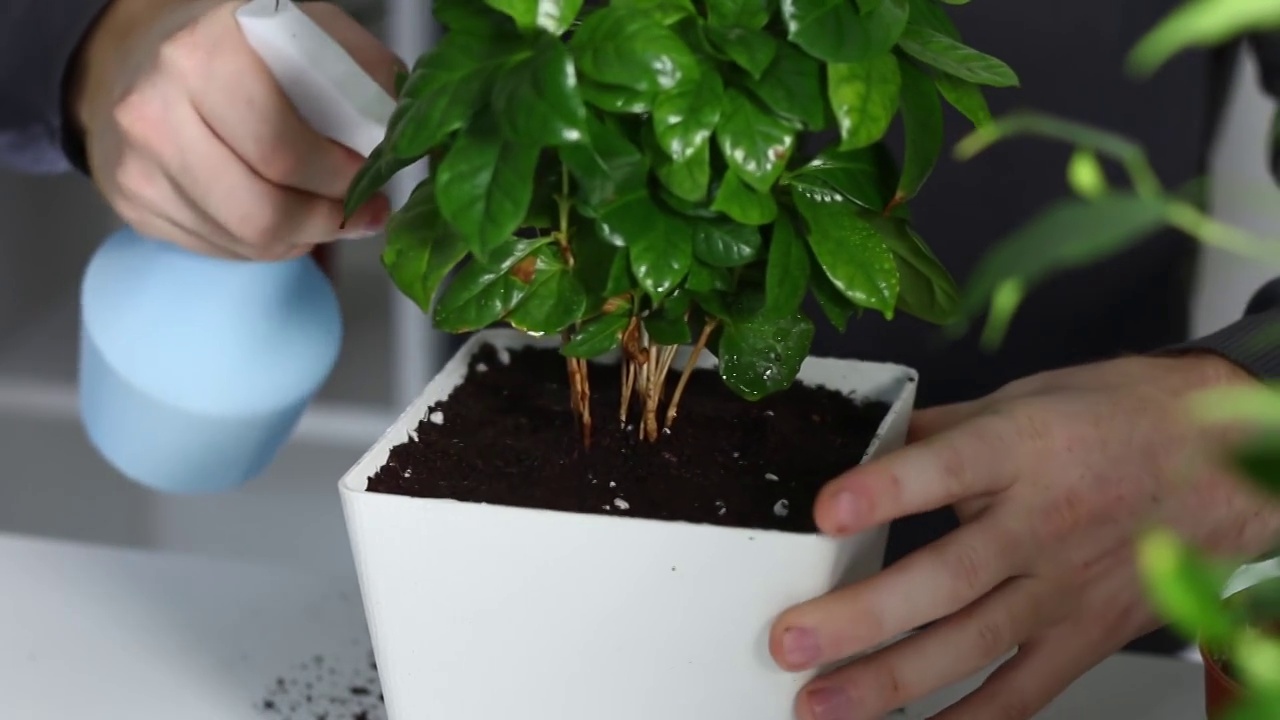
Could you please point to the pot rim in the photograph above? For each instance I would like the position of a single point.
(1213, 669)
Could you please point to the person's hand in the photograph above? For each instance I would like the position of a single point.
(1052, 478)
(190, 139)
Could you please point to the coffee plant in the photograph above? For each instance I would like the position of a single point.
(634, 175)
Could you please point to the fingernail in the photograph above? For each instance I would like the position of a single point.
(829, 703)
(377, 218)
(799, 647)
(357, 234)
(846, 509)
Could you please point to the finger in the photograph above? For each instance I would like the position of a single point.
(935, 420)
(1040, 672)
(148, 223)
(929, 584)
(244, 106)
(952, 650)
(970, 460)
(265, 220)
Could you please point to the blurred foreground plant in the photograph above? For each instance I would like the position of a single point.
(1198, 595)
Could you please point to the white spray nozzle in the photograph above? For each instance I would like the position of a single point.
(328, 88)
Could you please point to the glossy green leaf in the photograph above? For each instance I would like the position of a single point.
(756, 144)
(614, 99)
(955, 58)
(704, 278)
(659, 244)
(598, 336)
(485, 186)
(834, 305)
(761, 355)
(536, 99)
(752, 14)
(850, 250)
(966, 97)
(669, 324)
(742, 203)
(724, 243)
(929, 14)
(685, 118)
(667, 12)
(473, 19)
(866, 176)
(791, 87)
(922, 122)
(553, 16)
(925, 288)
(685, 207)
(752, 50)
(689, 178)
(556, 301)
(373, 175)
(602, 268)
(864, 97)
(421, 248)
(1070, 233)
(628, 47)
(481, 294)
(449, 85)
(787, 271)
(607, 168)
(835, 32)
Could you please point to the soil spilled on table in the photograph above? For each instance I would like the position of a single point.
(507, 436)
(324, 689)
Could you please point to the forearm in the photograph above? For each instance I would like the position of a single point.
(38, 39)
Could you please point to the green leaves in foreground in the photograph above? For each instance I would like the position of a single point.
(1070, 233)
(1202, 23)
(1186, 588)
(599, 169)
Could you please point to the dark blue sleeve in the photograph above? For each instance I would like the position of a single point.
(38, 39)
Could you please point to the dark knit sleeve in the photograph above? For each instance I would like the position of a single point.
(1253, 342)
(38, 41)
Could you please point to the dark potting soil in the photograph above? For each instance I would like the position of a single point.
(507, 436)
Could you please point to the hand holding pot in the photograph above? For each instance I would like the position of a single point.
(191, 140)
(1052, 477)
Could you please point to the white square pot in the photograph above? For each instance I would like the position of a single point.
(488, 612)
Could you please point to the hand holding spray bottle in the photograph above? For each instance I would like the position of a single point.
(194, 371)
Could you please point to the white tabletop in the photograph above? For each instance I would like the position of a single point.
(110, 634)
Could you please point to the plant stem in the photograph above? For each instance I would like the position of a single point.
(628, 383)
(579, 383)
(689, 367)
(1210, 231)
(584, 401)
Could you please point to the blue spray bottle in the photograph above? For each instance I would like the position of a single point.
(194, 371)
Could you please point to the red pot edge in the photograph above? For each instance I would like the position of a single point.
(1221, 692)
